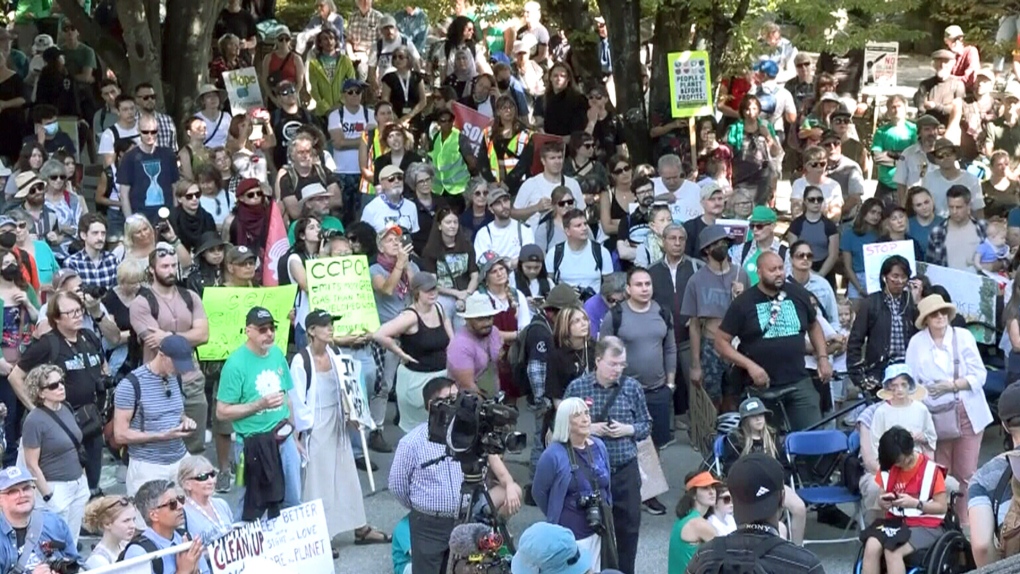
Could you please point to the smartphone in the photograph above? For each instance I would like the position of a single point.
(888, 496)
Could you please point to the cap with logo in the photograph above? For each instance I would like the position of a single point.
(318, 318)
(756, 485)
(751, 407)
(13, 476)
(259, 317)
(239, 254)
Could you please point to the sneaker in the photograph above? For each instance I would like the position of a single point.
(378, 443)
(360, 463)
(654, 507)
(224, 480)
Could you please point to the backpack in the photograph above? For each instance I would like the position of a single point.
(150, 298)
(1008, 534)
(748, 245)
(517, 356)
(724, 562)
(293, 177)
(149, 546)
(307, 358)
(283, 266)
(378, 47)
(119, 451)
(616, 312)
(559, 250)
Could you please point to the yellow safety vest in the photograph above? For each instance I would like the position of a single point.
(374, 151)
(451, 171)
(515, 147)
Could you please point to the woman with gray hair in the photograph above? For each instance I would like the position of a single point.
(205, 516)
(418, 178)
(573, 476)
(613, 291)
(53, 448)
(66, 205)
(476, 213)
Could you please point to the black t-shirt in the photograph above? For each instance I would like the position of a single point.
(608, 134)
(771, 330)
(285, 127)
(403, 102)
(634, 227)
(783, 557)
(240, 24)
(21, 534)
(564, 365)
(693, 228)
(82, 362)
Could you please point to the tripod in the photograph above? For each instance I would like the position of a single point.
(474, 490)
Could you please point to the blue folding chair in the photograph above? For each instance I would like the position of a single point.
(821, 443)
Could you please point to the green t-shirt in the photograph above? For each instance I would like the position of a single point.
(891, 137)
(246, 378)
(79, 58)
(32, 10)
(328, 222)
(680, 552)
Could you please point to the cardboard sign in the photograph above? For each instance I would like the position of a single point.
(876, 253)
(653, 481)
(243, 90)
(227, 308)
(703, 418)
(690, 84)
(343, 286)
(229, 553)
(472, 124)
(973, 294)
(297, 540)
(880, 59)
(355, 401)
(736, 228)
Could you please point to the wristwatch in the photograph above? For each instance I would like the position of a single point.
(47, 497)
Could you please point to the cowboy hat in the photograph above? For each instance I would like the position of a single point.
(931, 304)
(895, 371)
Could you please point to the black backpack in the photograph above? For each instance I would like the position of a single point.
(283, 265)
(517, 356)
(558, 251)
(723, 561)
(150, 298)
(310, 367)
(149, 547)
(616, 312)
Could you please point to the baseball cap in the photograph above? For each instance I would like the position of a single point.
(180, 352)
(259, 316)
(756, 485)
(752, 406)
(390, 171)
(496, 194)
(546, 548)
(6, 220)
(943, 143)
(351, 83)
(318, 318)
(943, 55)
(953, 31)
(531, 253)
(829, 97)
(238, 253)
(387, 20)
(830, 136)
(841, 111)
(13, 476)
(423, 281)
(562, 296)
(709, 190)
(1009, 403)
(762, 214)
(767, 67)
(927, 120)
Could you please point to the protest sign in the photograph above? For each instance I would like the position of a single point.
(227, 308)
(298, 539)
(876, 253)
(354, 397)
(690, 84)
(472, 124)
(343, 286)
(975, 297)
(653, 480)
(243, 90)
(735, 228)
(880, 59)
(231, 553)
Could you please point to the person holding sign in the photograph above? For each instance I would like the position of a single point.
(162, 508)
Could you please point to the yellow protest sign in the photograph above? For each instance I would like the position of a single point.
(690, 84)
(227, 308)
(343, 286)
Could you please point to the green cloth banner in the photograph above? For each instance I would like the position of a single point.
(227, 309)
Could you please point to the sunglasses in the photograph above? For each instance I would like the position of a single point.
(944, 154)
(832, 144)
(816, 164)
(588, 145)
(565, 202)
(620, 170)
(124, 501)
(54, 386)
(804, 65)
(192, 195)
(283, 39)
(726, 499)
(395, 178)
(204, 476)
(173, 504)
(760, 226)
(805, 255)
(148, 132)
(483, 193)
(840, 121)
(58, 178)
(288, 92)
(353, 92)
(22, 225)
(36, 189)
(253, 195)
(814, 199)
(147, 97)
(266, 328)
(164, 252)
(594, 96)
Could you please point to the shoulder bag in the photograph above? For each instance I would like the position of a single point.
(943, 409)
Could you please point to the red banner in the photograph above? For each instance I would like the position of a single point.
(537, 141)
(276, 246)
(471, 123)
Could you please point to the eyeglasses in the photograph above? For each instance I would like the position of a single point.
(814, 199)
(804, 255)
(58, 178)
(266, 328)
(173, 504)
(620, 170)
(423, 180)
(204, 476)
(395, 178)
(253, 195)
(148, 132)
(192, 195)
(73, 313)
(760, 226)
(147, 97)
(54, 385)
(353, 92)
(565, 202)
(817, 164)
(288, 92)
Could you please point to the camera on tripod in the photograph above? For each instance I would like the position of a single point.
(591, 504)
(472, 427)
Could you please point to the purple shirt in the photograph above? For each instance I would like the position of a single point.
(596, 308)
(467, 351)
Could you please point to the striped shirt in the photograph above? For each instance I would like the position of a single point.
(160, 409)
(434, 490)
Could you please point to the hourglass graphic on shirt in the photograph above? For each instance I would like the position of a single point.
(154, 194)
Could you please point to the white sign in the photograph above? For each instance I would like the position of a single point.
(355, 401)
(243, 90)
(880, 60)
(231, 552)
(876, 253)
(973, 294)
(735, 228)
(298, 539)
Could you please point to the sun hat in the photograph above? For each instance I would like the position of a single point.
(488, 260)
(931, 304)
(477, 306)
(546, 548)
(209, 240)
(895, 371)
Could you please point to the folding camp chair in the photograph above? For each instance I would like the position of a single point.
(815, 444)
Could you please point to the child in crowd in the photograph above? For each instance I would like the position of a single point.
(840, 385)
(993, 249)
(650, 252)
(721, 515)
(903, 408)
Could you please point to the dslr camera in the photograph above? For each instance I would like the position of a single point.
(591, 504)
(58, 565)
(472, 427)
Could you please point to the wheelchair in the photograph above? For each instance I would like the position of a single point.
(951, 553)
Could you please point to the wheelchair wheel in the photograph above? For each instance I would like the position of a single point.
(950, 555)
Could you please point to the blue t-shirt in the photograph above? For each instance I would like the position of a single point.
(169, 561)
(920, 232)
(151, 177)
(854, 243)
(59, 141)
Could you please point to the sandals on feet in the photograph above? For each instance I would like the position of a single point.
(370, 535)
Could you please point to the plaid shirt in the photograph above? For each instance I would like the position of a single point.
(897, 339)
(363, 30)
(629, 408)
(936, 253)
(433, 490)
(167, 136)
(101, 274)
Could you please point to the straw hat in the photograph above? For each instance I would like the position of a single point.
(931, 304)
(893, 372)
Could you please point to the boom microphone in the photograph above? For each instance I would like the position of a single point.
(464, 538)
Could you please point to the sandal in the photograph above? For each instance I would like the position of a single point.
(370, 535)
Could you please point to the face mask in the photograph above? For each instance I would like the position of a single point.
(10, 273)
(51, 129)
(8, 239)
(719, 252)
(503, 84)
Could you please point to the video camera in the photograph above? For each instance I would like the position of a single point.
(472, 427)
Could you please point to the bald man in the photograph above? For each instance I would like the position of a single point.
(771, 320)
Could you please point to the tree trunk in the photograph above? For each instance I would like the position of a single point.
(144, 58)
(187, 63)
(672, 34)
(584, 58)
(722, 27)
(108, 48)
(623, 19)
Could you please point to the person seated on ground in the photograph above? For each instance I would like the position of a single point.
(903, 408)
(691, 528)
(754, 435)
(915, 500)
(721, 515)
(113, 518)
